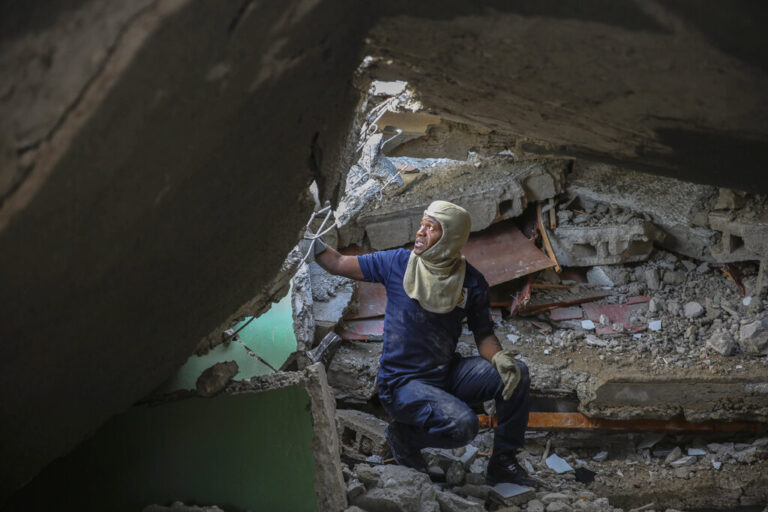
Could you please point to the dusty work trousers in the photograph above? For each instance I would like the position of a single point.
(433, 409)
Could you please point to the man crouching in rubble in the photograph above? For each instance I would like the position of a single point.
(424, 385)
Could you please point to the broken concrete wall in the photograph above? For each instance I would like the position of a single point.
(490, 189)
(265, 444)
(679, 208)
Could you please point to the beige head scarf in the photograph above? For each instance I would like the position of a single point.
(435, 277)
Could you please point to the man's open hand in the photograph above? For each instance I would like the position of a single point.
(505, 364)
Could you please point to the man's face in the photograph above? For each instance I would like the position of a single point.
(427, 235)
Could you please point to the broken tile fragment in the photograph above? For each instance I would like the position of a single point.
(558, 464)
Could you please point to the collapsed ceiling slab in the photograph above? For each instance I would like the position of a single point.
(670, 94)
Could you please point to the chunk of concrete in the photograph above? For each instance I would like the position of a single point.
(581, 246)
(753, 337)
(508, 494)
(722, 342)
(450, 502)
(362, 433)
(331, 299)
(674, 206)
(558, 464)
(607, 275)
(215, 378)
(693, 310)
(353, 370)
(728, 199)
(742, 237)
(394, 488)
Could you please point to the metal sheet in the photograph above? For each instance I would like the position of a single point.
(371, 300)
(360, 330)
(502, 253)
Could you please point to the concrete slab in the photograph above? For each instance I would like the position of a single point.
(677, 207)
(490, 189)
(604, 245)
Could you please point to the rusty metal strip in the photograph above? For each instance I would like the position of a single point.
(577, 421)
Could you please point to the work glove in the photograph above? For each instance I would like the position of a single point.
(505, 364)
(306, 241)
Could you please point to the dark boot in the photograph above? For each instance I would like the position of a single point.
(503, 467)
(404, 454)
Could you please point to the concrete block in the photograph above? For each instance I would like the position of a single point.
(604, 245)
(693, 310)
(362, 433)
(741, 238)
(331, 298)
(728, 199)
(753, 337)
(676, 207)
(722, 342)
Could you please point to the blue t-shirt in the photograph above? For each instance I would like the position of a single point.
(417, 340)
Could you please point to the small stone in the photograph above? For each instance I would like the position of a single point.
(696, 451)
(675, 454)
(703, 268)
(355, 488)
(683, 461)
(450, 502)
(722, 342)
(652, 279)
(654, 325)
(672, 277)
(553, 497)
(753, 337)
(455, 474)
(535, 506)
(559, 506)
(717, 464)
(693, 310)
(558, 464)
(601, 456)
(655, 305)
(587, 324)
(689, 265)
(595, 341)
(747, 301)
(673, 307)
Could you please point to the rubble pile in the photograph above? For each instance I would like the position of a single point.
(578, 472)
(630, 297)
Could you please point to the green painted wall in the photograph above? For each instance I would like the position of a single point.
(271, 336)
(249, 451)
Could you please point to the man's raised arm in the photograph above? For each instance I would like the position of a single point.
(336, 263)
